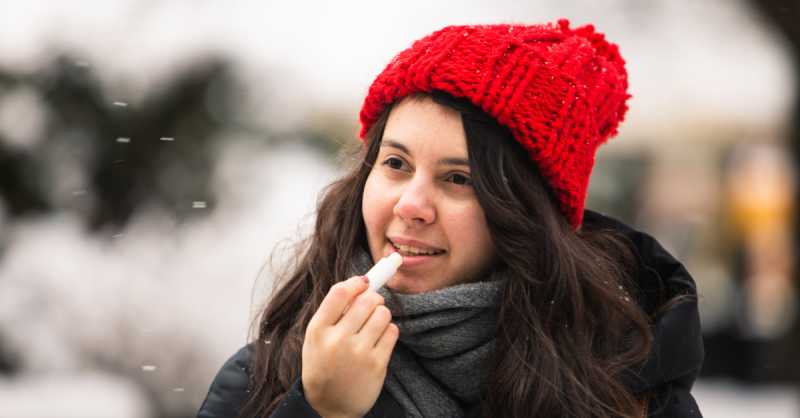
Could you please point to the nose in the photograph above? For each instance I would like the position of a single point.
(416, 203)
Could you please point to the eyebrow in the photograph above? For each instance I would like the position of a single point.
(454, 161)
(394, 144)
(444, 161)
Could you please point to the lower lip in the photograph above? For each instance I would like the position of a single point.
(414, 260)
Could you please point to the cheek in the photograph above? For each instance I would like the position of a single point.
(376, 208)
(468, 229)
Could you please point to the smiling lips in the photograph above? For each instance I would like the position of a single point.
(410, 251)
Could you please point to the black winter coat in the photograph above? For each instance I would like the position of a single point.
(669, 373)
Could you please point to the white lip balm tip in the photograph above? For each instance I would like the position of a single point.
(396, 259)
(383, 271)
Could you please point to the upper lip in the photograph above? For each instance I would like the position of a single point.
(414, 243)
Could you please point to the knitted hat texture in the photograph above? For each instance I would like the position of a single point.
(560, 91)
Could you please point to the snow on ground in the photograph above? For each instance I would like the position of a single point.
(164, 304)
(72, 396)
(728, 399)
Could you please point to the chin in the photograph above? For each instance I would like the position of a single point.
(405, 286)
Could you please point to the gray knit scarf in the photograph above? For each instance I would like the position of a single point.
(438, 366)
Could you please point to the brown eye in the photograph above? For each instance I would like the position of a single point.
(395, 164)
(461, 180)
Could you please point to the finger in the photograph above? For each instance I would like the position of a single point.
(359, 312)
(385, 344)
(337, 299)
(375, 325)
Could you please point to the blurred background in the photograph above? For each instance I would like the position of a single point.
(153, 154)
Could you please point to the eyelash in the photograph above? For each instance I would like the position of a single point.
(468, 181)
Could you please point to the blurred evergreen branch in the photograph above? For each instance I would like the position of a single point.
(191, 109)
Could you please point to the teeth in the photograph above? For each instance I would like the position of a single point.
(409, 250)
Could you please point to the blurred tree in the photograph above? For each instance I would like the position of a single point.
(20, 172)
(158, 151)
(169, 157)
(8, 361)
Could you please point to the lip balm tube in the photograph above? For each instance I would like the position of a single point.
(383, 271)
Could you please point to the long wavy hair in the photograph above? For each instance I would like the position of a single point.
(569, 328)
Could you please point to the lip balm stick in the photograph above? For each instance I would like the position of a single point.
(383, 271)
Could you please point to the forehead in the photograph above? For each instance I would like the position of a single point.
(423, 126)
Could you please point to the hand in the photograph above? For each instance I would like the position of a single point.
(345, 355)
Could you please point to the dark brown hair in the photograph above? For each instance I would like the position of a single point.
(568, 327)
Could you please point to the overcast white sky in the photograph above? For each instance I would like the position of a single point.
(686, 57)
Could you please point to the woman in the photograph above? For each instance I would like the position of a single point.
(511, 300)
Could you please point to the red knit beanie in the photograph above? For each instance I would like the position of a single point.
(560, 91)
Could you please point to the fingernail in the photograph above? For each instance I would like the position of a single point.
(365, 279)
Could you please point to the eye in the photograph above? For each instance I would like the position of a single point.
(395, 163)
(461, 180)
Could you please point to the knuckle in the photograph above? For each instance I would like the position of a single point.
(372, 363)
(384, 311)
(376, 363)
(378, 299)
(392, 330)
(312, 324)
(339, 290)
(331, 342)
(312, 334)
(359, 351)
(365, 302)
(382, 314)
(313, 328)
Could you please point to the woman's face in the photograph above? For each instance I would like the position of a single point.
(419, 201)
